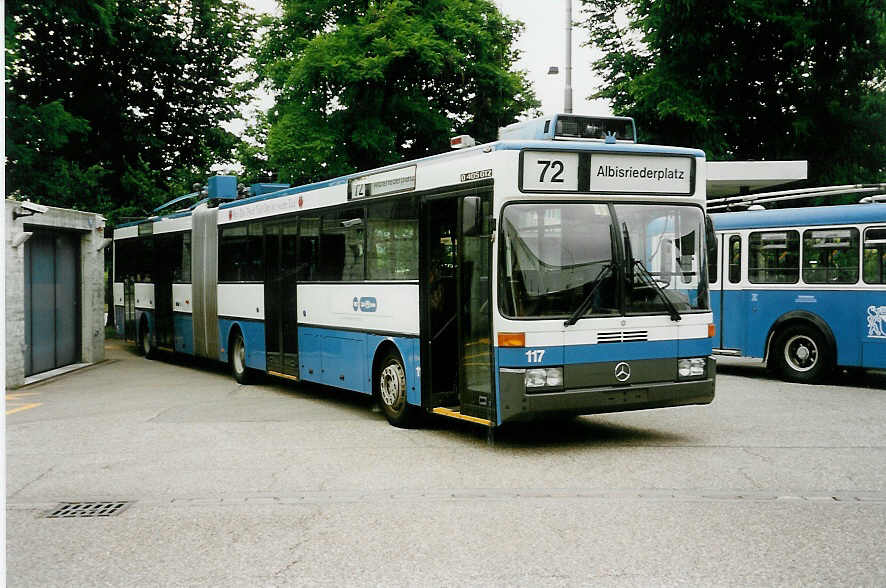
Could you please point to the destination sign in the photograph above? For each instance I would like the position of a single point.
(382, 183)
(640, 174)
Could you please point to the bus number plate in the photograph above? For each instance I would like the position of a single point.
(550, 171)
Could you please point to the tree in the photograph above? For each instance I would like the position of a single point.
(752, 79)
(363, 83)
(114, 105)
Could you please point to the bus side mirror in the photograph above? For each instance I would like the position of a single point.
(471, 221)
(710, 237)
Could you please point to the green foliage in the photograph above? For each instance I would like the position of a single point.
(363, 83)
(752, 79)
(112, 104)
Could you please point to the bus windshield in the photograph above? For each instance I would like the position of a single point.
(629, 258)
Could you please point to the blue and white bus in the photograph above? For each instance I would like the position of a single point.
(803, 288)
(559, 271)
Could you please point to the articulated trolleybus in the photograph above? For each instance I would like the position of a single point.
(559, 270)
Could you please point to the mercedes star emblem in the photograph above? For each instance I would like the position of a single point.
(623, 371)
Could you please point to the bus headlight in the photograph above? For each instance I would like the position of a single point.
(693, 367)
(551, 377)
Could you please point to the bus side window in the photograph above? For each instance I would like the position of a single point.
(875, 255)
(307, 268)
(774, 257)
(830, 256)
(734, 259)
(342, 245)
(392, 240)
(713, 259)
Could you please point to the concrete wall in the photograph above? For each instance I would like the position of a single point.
(90, 227)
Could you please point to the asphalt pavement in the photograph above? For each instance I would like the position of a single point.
(280, 484)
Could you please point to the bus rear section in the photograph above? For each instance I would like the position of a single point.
(603, 308)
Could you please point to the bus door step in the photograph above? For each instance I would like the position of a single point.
(454, 413)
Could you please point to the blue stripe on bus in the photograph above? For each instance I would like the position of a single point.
(119, 321)
(343, 359)
(751, 313)
(524, 357)
(183, 339)
(253, 336)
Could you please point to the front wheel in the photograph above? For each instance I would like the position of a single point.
(238, 360)
(803, 354)
(390, 385)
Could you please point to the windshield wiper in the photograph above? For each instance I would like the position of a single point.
(650, 279)
(588, 300)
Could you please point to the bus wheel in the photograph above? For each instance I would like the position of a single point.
(390, 385)
(803, 354)
(145, 346)
(237, 350)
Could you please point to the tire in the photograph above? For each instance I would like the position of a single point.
(237, 357)
(803, 354)
(390, 388)
(145, 345)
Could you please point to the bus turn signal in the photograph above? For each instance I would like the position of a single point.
(512, 339)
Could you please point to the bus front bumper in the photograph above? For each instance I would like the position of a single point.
(517, 405)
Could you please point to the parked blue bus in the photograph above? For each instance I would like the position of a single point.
(560, 270)
(802, 288)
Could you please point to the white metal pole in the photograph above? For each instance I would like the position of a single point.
(567, 98)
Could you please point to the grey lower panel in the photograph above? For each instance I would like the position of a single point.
(516, 405)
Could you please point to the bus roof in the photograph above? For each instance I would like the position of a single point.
(502, 145)
(638, 148)
(798, 217)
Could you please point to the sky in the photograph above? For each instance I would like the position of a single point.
(543, 44)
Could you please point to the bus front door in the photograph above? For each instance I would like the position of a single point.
(281, 313)
(475, 307)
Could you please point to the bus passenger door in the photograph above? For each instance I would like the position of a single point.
(281, 329)
(476, 394)
(166, 251)
(731, 315)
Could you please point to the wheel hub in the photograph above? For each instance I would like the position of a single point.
(801, 353)
(389, 386)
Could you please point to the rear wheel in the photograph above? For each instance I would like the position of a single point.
(803, 354)
(146, 346)
(238, 359)
(390, 386)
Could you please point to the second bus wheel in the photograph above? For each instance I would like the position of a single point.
(390, 387)
(145, 345)
(237, 352)
(803, 354)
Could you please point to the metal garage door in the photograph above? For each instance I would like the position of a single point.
(52, 300)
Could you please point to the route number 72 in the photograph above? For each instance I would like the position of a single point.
(555, 166)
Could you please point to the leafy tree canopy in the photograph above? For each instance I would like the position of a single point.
(751, 79)
(363, 83)
(114, 104)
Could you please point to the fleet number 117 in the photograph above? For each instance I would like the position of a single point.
(535, 355)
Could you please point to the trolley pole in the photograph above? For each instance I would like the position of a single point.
(567, 97)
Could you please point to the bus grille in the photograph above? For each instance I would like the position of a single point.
(621, 336)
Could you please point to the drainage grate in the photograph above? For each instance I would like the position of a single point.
(87, 509)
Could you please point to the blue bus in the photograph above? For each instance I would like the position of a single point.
(802, 288)
(561, 270)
